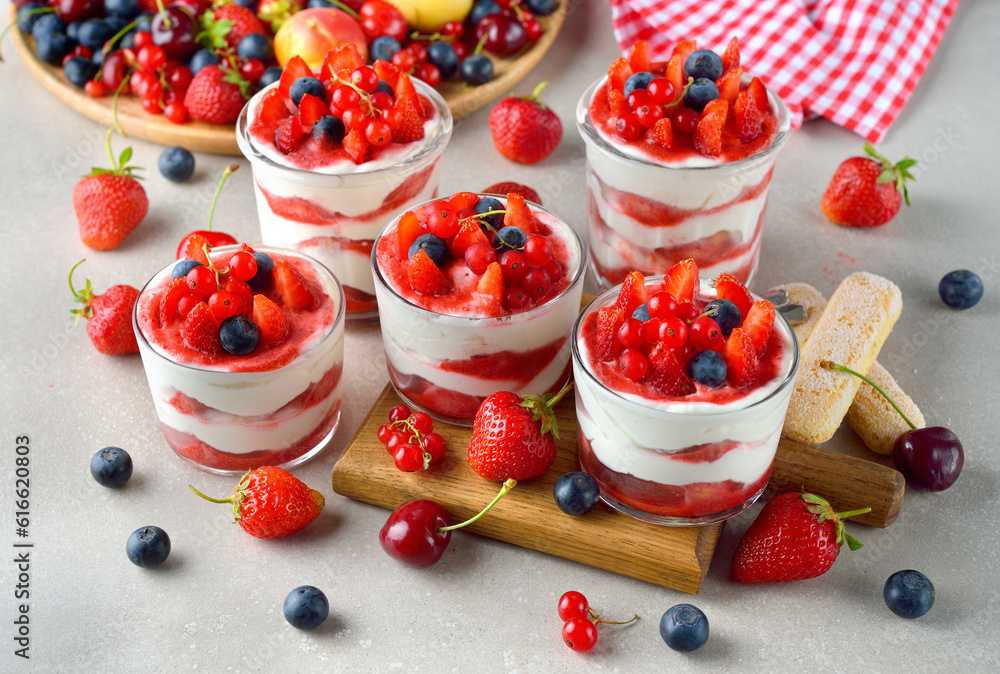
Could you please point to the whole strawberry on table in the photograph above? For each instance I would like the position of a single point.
(109, 203)
(867, 191)
(109, 316)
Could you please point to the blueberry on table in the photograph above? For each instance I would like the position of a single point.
(708, 368)
(725, 313)
(434, 246)
(684, 628)
(148, 547)
(176, 164)
(306, 85)
(111, 466)
(961, 289)
(701, 91)
(908, 594)
(637, 81)
(306, 607)
(25, 19)
(576, 493)
(703, 63)
(47, 23)
(94, 33)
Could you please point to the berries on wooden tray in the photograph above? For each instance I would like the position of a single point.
(525, 130)
(109, 203)
(867, 191)
(109, 316)
(148, 547)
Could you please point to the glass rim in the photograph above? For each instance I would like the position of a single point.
(591, 136)
(380, 281)
(602, 300)
(442, 134)
(338, 319)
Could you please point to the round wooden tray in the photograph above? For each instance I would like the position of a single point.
(220, 139)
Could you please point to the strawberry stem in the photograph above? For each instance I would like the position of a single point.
(507, 486)
(83, 296)
(541, 406)
(830, 365)
(853, 513)
(209, 498)
(218, 190)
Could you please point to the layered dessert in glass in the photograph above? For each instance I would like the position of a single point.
(485, 304)
(673, 434)
(678, 163)
(276, 400)
(327, 188)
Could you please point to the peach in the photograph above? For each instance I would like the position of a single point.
(311, 33)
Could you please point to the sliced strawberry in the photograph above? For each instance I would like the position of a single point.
(311, 109)
(639, 57)
(617, 102)
(200, 331)
(729, 84)
(292, 287)
(294, 69)
(731, 57)
(708, 134)
(463, 200)
(618, 72)
(632, 294)
(407, 231)
(681, 280)
(666, 374)
(741, 359)
(468, 233)
(759, 93)
(424, 276)
(718, 106)
(749, 119)
(270, 320)
(758, 325)
(609, 319)
(491, 283)
(196, 249)
(675, 75)
(519, 215)
(341, 62)
(662, 133)
(387, 72)
(288, 137)
(404, 87)
(411, 124)
(272, 107)
(356, 146)
(176, 289)
(728, 287)
(683, 49)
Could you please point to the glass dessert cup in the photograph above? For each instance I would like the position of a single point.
(645, 216)
(679, 462)
(446, 365)
(335, 217)
(280, 410)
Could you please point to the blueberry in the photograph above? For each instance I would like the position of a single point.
(383, 47)
(306, 85)
(182, 268)
(385, 87)
(708, 368)
(487, 204)
(25, 19)
(476, 69)
(329, 129)
(176, 164)
(641, 313)
(638, 81)
(306, 607)
(483, 8)
(701, 91)
(53, 47)
(961, 289)
(443, 55)
(255, 46)
(111, 466)
(320, 3)
(265, 265)
(510, 237)
(542, 7)
(94, 33)
(270, 76)
(148, 547)
(73, 30)
(98, 57)
(435, 247)
(725, 313)
(249, 4)
(126, 9)
(576, 493)
(238, 335)
(202, 58)
(684, 628)
(703, 63)
(115, 23)
(45, 24)
(908, 594)
(79, 70)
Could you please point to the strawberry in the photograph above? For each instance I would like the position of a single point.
(795, 536)
(728, 287)
(109, 316)
(407, 231)
(524, 130)
(200, 331)
(295, 68)
(225, 26)
(292, 287)
(195, 249)
(411, 125)
(270, 321)
(683, 49)
(609, 319)
(867, 192)
(708, 134)
(675, 75)
(632, 294)
(662, 133)
(468, 234)
(289, 135)
(681, 280)
(462, 200)
(513, 436)
(757, 325)
(618, 72)
(175, 290)
(491, 282)
(387, 72)
(216, 95)
(759, 93)
(731, 57)
(639, 57)
(741, 359)
(340, 62)
(516, 188)
(748, 117)
(311, 109)
(403, 86)
(109, 203)
(666, 374)
(424, 276)
(272, 107)
(356, 146)
(270, 502)
(617, 102)
(729, 84)
(519, 215)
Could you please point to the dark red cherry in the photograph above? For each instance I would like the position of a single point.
(930, 458)
(174, 29)
(504, 36)
(412, 533)
(71, 11)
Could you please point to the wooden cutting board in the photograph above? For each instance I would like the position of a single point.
(675, 557)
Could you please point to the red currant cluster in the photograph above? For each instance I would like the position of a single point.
(410, 439)
(528, 271)
(580, 627)
(159, 83)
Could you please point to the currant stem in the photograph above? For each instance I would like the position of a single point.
(218, 190)
(507, 486)
(830, 365)
(596, 619)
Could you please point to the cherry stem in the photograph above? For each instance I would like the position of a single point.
(507, 486)
(109, 45)
(344, 8)
(537, 91)
(166, 19)
(114, 107)
(218, 190)
(209, 498)
(830, 365)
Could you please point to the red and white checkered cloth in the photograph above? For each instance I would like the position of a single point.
(855, 62)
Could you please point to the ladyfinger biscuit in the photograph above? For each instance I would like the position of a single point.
(870, 415)
(850, 331)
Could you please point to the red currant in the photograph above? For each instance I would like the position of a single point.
(632, 333)
(536, 282)
(354, 119)
(537, 250)
(344, 98)
(532, 29)
(395, 439)
(661, 91)
(441, 219)
(673, 332)
(461, 51)
(381, 100)
(201, 281)
(403, 60)
(686, 121)
(378, 133)
(652, 330)
(392, 117)
(686, 311)
(429, 73)
(662, 305)
(628, 127)
(384, 431)
(224, 304)
(513, 266)
(142, 38)
(649, 115)
(399, 412)
(580, 634)
(252, 69)
(95, 88)
(422, 422)
(408, 457)
(479, 256)
(418, 50)
(176, 113)
(706, 335)
(633, 364)
(572, 605)
(455, 29)
(435, 445)
(637, 99)
(515, 298)
(365, 78)
(554, 270)
(151, 57)
(243, 266)
(179, 77)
